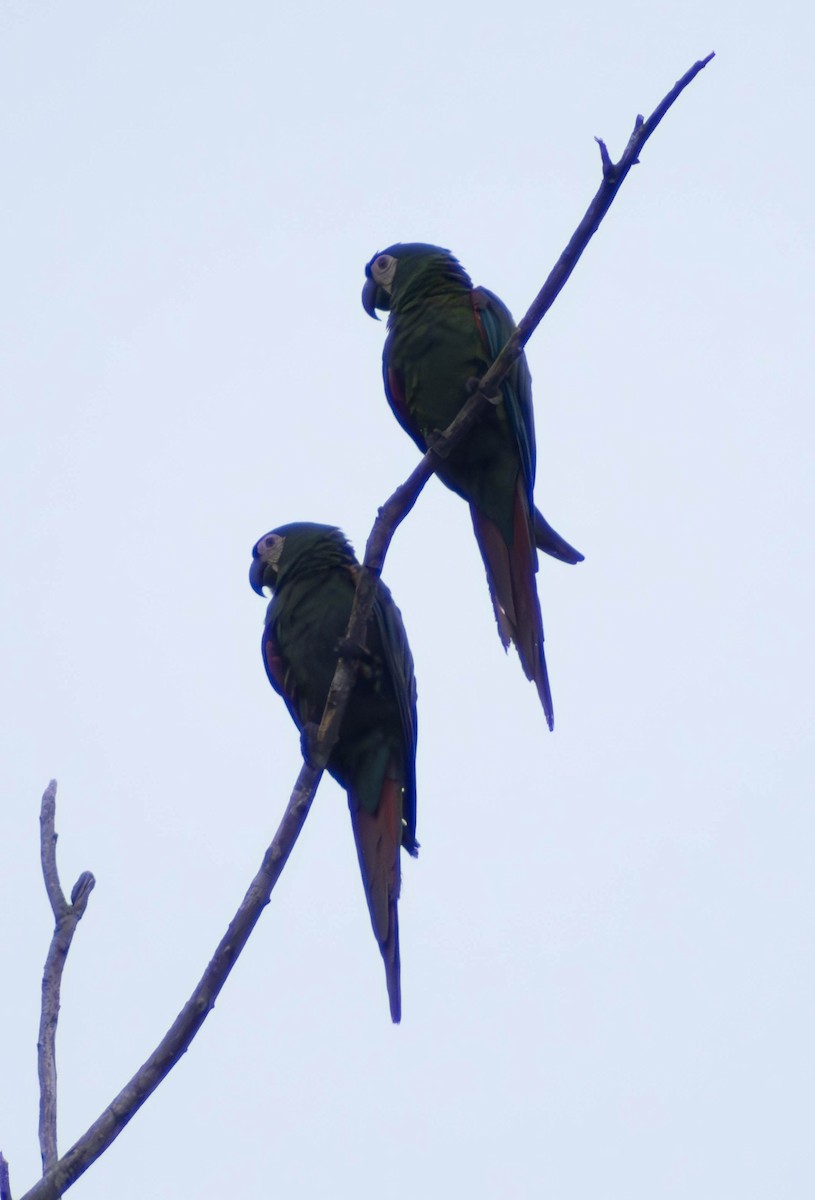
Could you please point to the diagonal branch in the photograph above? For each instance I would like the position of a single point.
(66, 916)
(5, 1186)
(613, 177)
(103, 1132)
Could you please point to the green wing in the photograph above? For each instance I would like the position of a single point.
(497, 327)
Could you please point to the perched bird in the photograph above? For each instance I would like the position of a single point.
(312, 573)
(443, 334)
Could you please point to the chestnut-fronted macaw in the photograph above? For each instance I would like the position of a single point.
(443, 334)
(312, 573)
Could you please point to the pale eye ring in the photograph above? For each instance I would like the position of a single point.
(270, 548)
(383, 269)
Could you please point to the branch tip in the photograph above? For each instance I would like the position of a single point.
(605, 157)
(82, 890)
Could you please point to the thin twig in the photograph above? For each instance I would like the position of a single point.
(5, 1186)
(103, 1132)
(66, 917)
(613, 176)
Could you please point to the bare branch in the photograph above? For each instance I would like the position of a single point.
(66, 917)
(613, 176)
(104, 1131)
(192, 1016)
(5, 1186)
(48, 850)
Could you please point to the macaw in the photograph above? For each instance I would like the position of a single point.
(312, 573)
(443, 334)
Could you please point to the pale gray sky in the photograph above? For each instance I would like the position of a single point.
(606, 940)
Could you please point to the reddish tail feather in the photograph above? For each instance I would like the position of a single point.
(378, 838)
(511, 578)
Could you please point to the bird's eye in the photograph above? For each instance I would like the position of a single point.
(270, 548)
(382, 269)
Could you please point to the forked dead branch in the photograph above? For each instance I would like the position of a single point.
(66, 918)
(60, 1174)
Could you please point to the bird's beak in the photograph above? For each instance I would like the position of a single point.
(369, 298)
(256, 573)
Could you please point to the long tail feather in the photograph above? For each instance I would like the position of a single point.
(550, 542)
(511, 578)
(378, 838)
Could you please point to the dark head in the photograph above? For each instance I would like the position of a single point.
(301, 546)
(391, 272)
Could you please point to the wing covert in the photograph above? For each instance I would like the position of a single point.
(497, 326)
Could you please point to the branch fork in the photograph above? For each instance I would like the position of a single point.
(66, 917)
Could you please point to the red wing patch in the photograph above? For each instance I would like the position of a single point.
(275, 666)
(396, 399)
(480, 301)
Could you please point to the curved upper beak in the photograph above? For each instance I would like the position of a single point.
(369, 298)
(256, 573)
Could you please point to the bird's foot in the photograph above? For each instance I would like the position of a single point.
(437, 442)
(346, 648)
(474, 384)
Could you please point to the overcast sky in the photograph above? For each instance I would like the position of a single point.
(606, 939)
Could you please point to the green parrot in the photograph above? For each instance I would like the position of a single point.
(443, 334)
(312, 573)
